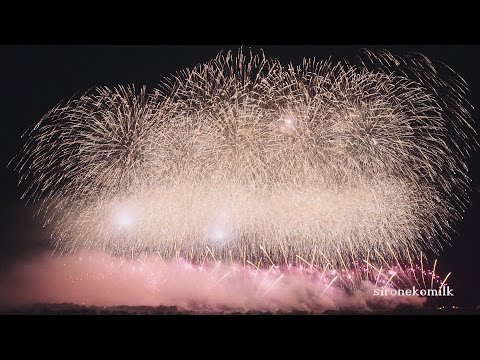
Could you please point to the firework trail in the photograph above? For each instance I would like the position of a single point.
(249, 159)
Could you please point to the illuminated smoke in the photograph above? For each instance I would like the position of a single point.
(90, 278)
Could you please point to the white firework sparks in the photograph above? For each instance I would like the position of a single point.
(249, 158)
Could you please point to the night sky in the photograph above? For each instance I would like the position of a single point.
(33, 79)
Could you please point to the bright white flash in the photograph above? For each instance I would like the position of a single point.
(218, 232)
(289, 122)
(124, 218)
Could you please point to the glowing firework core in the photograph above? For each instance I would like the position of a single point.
(124, 219)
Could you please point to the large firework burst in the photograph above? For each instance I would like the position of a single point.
(245, 156)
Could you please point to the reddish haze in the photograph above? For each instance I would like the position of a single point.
(97, 279)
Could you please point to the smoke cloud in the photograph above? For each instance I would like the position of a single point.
(96, 279)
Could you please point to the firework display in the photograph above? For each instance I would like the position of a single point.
(246, 158)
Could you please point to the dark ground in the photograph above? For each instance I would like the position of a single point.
(72, 309)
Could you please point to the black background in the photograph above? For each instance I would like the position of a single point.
(34, 78)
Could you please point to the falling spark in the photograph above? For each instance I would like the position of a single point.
(423, 272)
(433, 273)
(329, 285)
(412, 268)
(390, 279)
(445, 280)
(223, 277)
(274, 283)
(268, 257)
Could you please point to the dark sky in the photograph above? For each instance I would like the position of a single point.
(34, 78)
